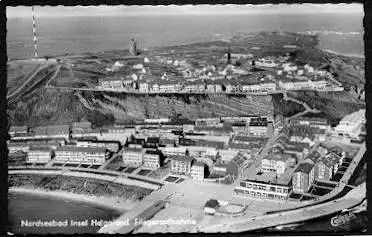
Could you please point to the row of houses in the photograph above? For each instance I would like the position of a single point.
(198, 169)
(316, 167)
(72, 155)
(302, 84)
(136, 157)
(271, 184)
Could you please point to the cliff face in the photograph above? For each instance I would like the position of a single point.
(59, 107)
(129, 107)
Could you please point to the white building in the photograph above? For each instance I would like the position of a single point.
(173, 151)
(39, 155)
(113, 83)
(197, 170)
(143, 86)
(81, 155)
(151, 160)
(132, 157)
(15, 148)
(351, 124)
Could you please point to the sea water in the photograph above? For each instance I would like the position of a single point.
(338, 32)
(35, 214)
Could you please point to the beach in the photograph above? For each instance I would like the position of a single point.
(114, 203)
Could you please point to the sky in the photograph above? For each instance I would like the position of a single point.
(58, 11)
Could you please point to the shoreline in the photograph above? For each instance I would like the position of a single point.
(113, 203)
(344, 54)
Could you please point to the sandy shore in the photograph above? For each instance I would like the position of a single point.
(114, 203)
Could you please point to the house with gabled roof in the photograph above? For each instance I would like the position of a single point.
(303, 177)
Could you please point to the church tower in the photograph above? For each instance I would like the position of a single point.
(133, 47)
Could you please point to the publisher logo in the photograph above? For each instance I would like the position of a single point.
(342, 219)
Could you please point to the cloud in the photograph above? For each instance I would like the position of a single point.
(58, 11)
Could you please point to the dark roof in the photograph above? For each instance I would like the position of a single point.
(148, 151)
(82, 149)
(216, 129)
(250, 139)
(153, 140)
(245, 146)
(238, 160)
(40, 148)
(328, 161)
(311, 120)
(133, 149)
(314, 156)
(182, 158)
(258, 124)
(304, 168)
(301, 145)
(212, 203)
(214, 144)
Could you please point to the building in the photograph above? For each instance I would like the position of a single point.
(201, 151)
(181, 164)
(295, 84)
(277, 161)
(151, 159)
(81, 127)
(143, 86)
(218, 145)
(39, 132)
(112, 83)
(133, 47)
(320, 123)
(313, 157)
(197, 170)
(132, 157)
(81, 155)
(208, 122)
(326, 167)
(226, 155)
(18, 147)
(262, 189)
(239, 127)
(19, 130)
(211, 206)
(300, 149)
(319, 83)
(186, 142)
(153, 141)
(173, 151)
(39, 155)
(350, 126)
(214, 131)
(258, 126)
(112, 146)
(303, 177)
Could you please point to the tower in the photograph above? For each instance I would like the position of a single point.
(228, 55)
(34, 32)
(133, 47)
